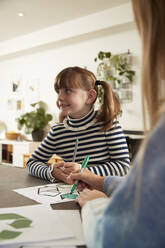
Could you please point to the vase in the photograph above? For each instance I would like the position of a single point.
(38, 135)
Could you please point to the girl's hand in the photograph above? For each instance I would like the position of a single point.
(87, 179)
(58, 173)
(88, 195)
(69, 167)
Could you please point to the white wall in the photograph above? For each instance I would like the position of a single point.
(41, 55)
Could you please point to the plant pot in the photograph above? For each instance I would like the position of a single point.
(38, 135)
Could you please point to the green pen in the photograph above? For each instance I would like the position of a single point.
(84, 165)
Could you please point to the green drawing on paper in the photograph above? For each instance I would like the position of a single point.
(19, 222)
(53, 190)
(6, 234)
(10, 216)
(69, 196)
(23, 223)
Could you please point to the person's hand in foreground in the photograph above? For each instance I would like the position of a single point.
(88, 195)
(87, 179)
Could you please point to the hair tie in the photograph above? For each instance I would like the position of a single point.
(97, 82)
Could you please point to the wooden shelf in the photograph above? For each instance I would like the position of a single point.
(11, 152)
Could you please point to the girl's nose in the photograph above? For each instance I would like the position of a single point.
(60, 96)
(59, 100)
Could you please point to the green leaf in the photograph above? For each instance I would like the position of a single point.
(108, 55)
(22, 223)
(10, 216)
(7, 234)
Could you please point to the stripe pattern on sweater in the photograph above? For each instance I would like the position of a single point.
(108, 150)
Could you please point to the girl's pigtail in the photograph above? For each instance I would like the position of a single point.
(110, 107)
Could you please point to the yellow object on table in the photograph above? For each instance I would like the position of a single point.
(53, 159)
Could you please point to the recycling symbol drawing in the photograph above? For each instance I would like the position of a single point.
(17, 223)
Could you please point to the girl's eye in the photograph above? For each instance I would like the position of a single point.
(68, 91)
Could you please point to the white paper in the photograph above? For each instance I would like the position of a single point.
(32, 193)
(47, 225)
(73, 221)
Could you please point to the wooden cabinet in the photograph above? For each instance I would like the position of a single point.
(12, 152)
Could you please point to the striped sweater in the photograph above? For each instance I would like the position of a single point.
(108, 150)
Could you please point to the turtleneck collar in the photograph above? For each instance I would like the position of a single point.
(82, 123)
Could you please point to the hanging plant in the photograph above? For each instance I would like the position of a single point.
(116, 70)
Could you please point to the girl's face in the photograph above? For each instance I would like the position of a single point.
(75, 102)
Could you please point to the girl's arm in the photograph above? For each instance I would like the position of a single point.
(36, 164)
(119, 162)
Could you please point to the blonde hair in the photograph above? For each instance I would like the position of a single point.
(76, 77)
(150, 20)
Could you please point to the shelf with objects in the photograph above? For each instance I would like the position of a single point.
(11, 152)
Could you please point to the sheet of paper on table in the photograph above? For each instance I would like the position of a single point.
(47, 194)
(31, 224)
(39, 226)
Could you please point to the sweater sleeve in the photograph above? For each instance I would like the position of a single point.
(111, 183)
(92, 215)
(119, 162)
(36, 164)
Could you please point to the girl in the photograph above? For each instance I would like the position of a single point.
(134, 216)
(99, 133)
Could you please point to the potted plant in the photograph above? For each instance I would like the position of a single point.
(114, 69)
(36, 121)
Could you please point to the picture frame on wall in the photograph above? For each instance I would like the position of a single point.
(17, 85)
(15, 104)
(22, 93)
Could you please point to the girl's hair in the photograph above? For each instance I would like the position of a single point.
(150, 20)
(76, 77)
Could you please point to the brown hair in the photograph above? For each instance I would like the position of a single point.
(76, 77)
(150, 20)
